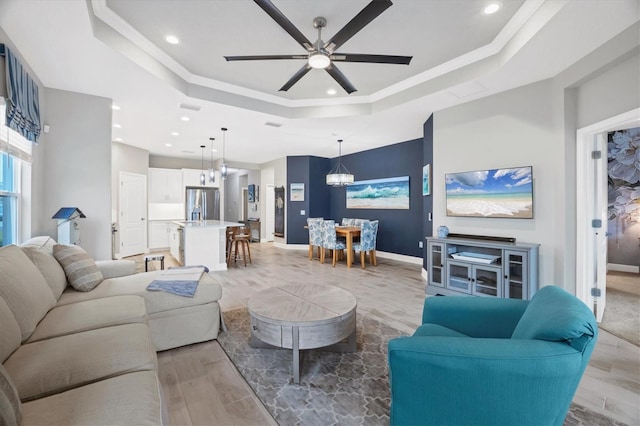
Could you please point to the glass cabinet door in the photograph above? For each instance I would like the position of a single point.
(459, 276)
(487, 281)
(515, 279)
(436, 264)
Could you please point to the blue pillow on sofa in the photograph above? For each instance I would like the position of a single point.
(555, 315)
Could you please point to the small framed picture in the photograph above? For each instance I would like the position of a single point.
(426, 180)
(251, 189)
(297, 192)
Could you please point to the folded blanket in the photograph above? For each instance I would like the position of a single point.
(181, 280)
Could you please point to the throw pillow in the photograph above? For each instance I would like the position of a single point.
(49, 268)
(80, 269)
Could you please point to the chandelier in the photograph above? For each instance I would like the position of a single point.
(339, 175)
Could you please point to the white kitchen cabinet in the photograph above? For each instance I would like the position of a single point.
(165, 186)
(191, 177)
(159, 233)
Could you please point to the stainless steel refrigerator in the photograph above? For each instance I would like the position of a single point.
(202, 203)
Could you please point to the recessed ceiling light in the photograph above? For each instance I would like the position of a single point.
(118, 139)
(115, 107)
(492, 8)
(117, 126)
(175, 134)
(171, 39)
(185, 118)
(167, 144)
(331, 91)
(214, 150)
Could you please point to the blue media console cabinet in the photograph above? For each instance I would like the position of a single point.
(473, 267)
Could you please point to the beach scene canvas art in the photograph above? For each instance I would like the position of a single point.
(388, 193)
(505, 193)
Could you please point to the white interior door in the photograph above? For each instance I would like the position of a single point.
(600, 233)
(133, 214)
(270, 213)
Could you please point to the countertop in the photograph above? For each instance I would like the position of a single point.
(205, 223)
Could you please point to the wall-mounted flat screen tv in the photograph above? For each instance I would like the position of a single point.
(504, 193)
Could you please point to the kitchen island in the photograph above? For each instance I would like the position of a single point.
(202, 242)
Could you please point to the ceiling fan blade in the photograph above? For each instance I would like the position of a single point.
(297, 76)
(285, 23)
(340, 78)
(366, 15)
(374, 59)
(264, 57)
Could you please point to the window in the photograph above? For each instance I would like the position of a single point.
(15, 151)
(8, 200)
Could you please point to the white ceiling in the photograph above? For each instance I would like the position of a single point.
(115, 49)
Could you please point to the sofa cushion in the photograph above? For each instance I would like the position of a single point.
(10, 406)
(156, 301)
(55, 365)
(80, 269)
(49, 268)
(10, 336)
(90, 315)
(24, 289)
(555, 315)
(44, 243)
(101, 403)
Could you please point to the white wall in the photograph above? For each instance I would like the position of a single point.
(76, 166)
(536, 125)
(511, 129)
(609, 93)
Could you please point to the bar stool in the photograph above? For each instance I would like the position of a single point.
(240, 235)
(151, 257)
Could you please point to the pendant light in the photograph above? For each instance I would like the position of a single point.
(203, 177)
(223, 167)
(339, 175)
(212, 172)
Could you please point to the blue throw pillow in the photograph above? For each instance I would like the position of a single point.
(555, 315)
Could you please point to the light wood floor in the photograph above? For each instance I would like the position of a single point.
(201, 385)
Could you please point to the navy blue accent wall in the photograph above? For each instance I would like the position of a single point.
(311, 171)
(399, 231)
(427, 201)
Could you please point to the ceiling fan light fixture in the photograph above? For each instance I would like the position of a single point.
(319, 60)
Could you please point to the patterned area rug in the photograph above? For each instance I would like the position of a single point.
(335, 388)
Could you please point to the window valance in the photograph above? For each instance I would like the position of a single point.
(22, 101)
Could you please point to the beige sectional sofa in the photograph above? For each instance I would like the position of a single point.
(69, 357)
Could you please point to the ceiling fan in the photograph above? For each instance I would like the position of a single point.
(323, 55)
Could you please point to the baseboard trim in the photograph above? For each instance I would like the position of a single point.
(383, 254)
(623, 268)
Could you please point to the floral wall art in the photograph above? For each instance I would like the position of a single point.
(624, 197)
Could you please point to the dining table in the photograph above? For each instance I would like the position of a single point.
(348, 232)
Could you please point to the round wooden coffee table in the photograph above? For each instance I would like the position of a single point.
(303, 316)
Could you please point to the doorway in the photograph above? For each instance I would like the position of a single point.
(132, 202)
(591, 209)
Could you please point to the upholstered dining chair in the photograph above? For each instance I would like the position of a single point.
(491, 361)
(367, 243)
(329, 241)
(346, 221)
(315, 235)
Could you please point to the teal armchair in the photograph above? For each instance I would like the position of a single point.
(486, 361)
